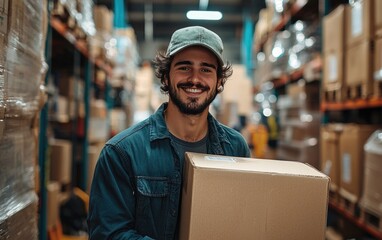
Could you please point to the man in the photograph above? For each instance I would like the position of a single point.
(137, 182)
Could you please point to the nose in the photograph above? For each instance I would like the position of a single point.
(194, 77)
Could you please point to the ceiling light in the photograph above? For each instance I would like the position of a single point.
(204, 15)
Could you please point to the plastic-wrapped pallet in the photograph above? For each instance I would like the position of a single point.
(19, 220)
(22, 69)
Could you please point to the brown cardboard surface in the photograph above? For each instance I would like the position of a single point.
(359, 22)
(378, 59)
(53, 204)
(352, 140)
(334, 70)
(361, 56)
(61, 161)
(103, 19)
(243, 198)
(378, 17)
(330, 154)
(334, 30)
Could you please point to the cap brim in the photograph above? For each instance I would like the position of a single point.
(220, 59)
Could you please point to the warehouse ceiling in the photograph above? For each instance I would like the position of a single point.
(169, 15)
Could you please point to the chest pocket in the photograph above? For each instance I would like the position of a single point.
(153, 186)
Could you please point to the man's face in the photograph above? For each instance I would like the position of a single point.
(193, 80)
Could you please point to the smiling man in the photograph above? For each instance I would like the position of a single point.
(136, 188)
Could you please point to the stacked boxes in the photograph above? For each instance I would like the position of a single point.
(330, 155)
(360, 35)
(352, 34)
(299, 120)
(334, 54)
(242, 198)
(372, 191)
(352, 140)
(354, 171)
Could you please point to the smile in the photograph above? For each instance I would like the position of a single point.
(193, 90)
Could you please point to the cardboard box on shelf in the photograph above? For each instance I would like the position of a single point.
(377, 73)
(61, 161)
(334, 74)
(53, 204)
(330, 154)
(359, 68)
(352, 140)
(103, 19)
(334, 30)
(378, 18)
(372, 190)
(241, 198)
(359, 22)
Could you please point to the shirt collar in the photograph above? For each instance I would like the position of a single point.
(158, 128)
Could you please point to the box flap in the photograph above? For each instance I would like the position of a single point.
(253, 165)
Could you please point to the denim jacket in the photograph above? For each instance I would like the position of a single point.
(136, 187)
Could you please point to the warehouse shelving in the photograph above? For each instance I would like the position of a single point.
(359, 110)
(362, 110)
(357, 221)
(352, 104)
(83, 66)
(80, 44)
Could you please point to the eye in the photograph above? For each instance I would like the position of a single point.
(184, 68)
(206, 70)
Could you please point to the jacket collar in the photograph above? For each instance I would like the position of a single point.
(158, 128)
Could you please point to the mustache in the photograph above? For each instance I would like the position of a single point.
(190, 85)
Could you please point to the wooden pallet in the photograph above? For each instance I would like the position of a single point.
(349, 205)
(333, 193)
(378, 89)
(371, 219)
(334, 95)
(360, 91)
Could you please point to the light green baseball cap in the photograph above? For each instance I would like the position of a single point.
(196, 36)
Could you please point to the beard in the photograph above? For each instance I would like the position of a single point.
(191, 106)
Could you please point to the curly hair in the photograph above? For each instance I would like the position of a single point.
(162, 64)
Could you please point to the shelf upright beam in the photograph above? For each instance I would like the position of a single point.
(75, 121)
(84, 162)
(43, 139)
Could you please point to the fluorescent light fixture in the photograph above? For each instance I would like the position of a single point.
(204, 15)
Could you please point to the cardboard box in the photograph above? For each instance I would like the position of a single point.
(378, 60)
(360, 22)
(242, 198)
(352, 140)
(359, 67)
(334, 30)
(372, 193)
(61, 161)
(378, 18)
(306, 151)
(53, 204)
(334, 71)
(330, 153)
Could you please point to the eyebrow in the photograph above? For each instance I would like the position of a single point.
(190, 63)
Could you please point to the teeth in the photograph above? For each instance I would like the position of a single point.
(193, 90)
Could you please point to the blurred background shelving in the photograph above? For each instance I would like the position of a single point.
(306, 87)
